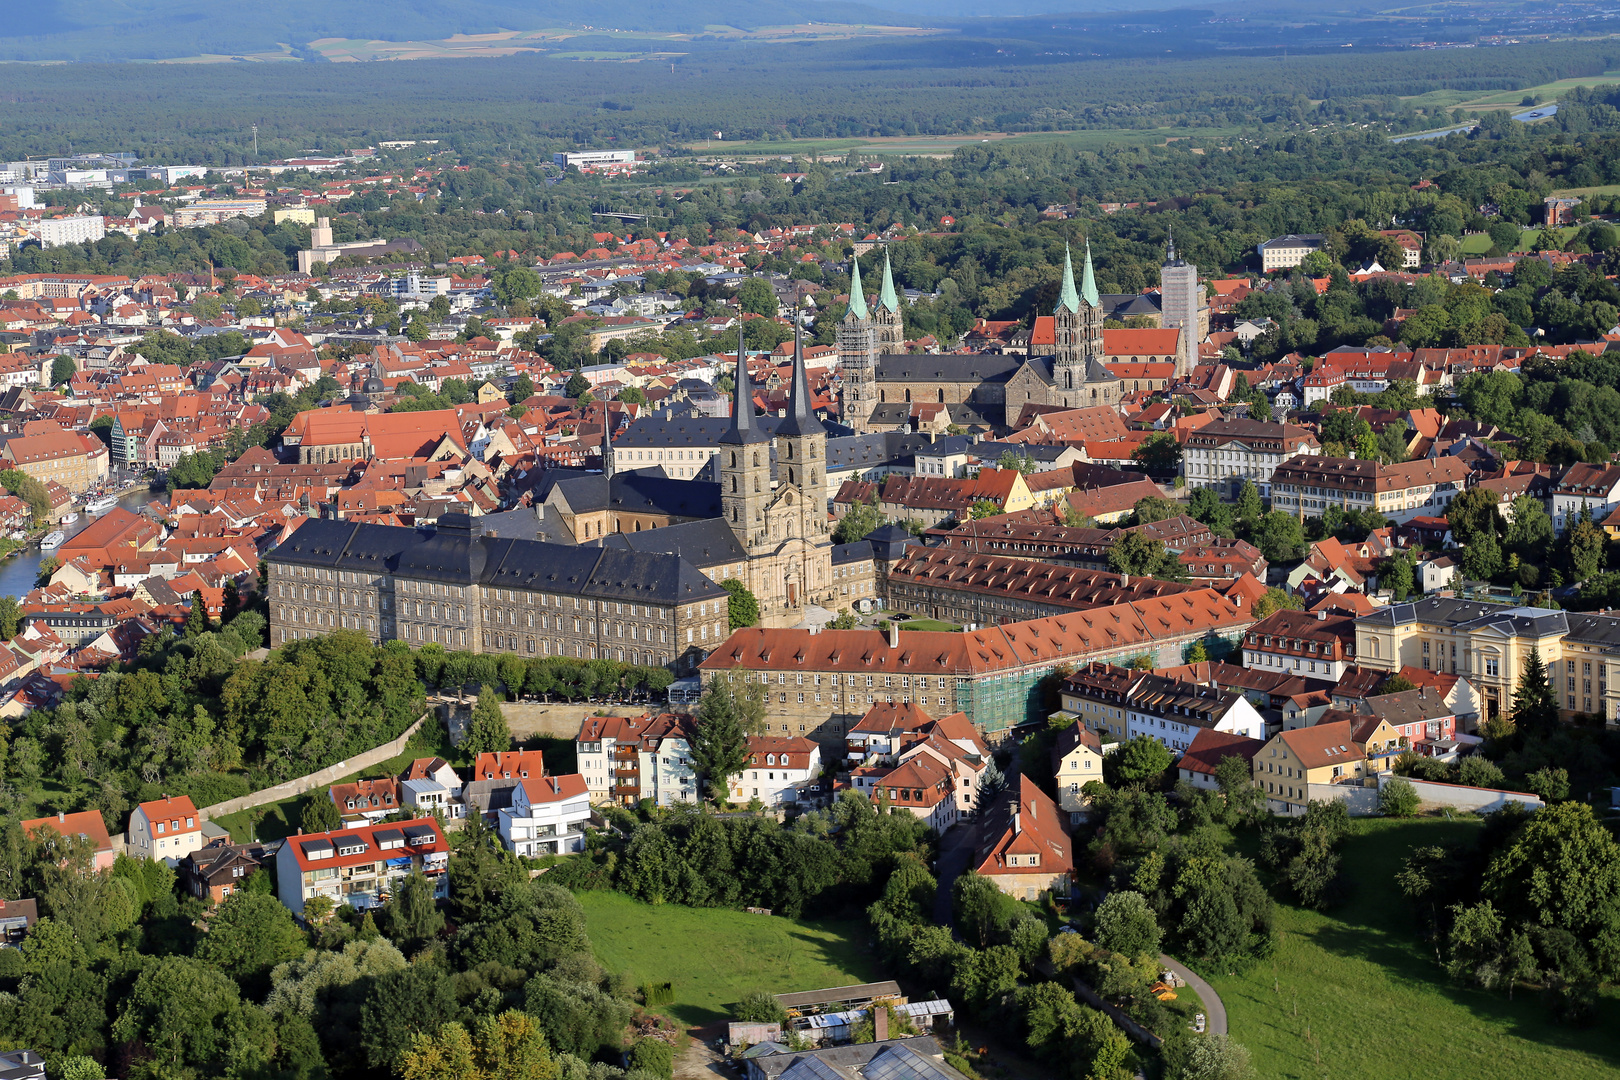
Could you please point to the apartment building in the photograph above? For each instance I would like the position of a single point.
(1310, 644)
(75, 460)
(1488, 644)
(1595, 488)
(1226, 453)
(625, 759)
(1291, 761)
(547, 816)
(1124, 704)
(1307, 486)
(76, 229)
(463, 590)
(360, 866)
(780, 772)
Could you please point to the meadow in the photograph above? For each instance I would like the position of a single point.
(1354, 993)
(714, 956)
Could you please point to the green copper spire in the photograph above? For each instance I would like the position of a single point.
(857, 298)
(1068, 299)
(886, 298)
(1088, 284)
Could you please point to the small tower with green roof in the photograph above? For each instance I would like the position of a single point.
(1078, 377)
(886, 316)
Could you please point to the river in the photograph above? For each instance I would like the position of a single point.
(18, 573)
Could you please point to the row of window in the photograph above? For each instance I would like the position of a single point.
(940, 682)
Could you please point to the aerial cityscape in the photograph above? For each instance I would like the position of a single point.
(841, 541)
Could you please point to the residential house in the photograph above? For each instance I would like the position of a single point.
(781, 771)
(923, 786)
(1287, 252)
(1594, 488)
(1199, 762)
(1314, 645)
(627, 759)
(85, 825)
(219, 869)
(1307, 486)
(1076, 761)
(431, 783)
(168, 829)
(360, 866)
(547, 815)
(17, 919)
(1292, 761)
(365, 802)
(1023, 847)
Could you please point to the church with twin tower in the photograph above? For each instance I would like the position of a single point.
(1066, 365)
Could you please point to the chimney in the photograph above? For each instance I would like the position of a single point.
(1321, 616)
(894, 634)
(880, 1022)
(1124, 580)
(60, 816)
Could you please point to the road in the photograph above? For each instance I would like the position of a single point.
(1214, 1010)
(955, 852)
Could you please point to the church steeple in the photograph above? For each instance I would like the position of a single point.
(857, 298)
(1068, 299)
(887, 299)
(1088, 284)
(1170, 246)
(607, 442)
(801, 417)
(743, 429)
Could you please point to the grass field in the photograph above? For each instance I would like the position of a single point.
(1603, 189)
(1355, 994)
(928, 624)
(714, 956)
(1476, 245)
(1506, 99)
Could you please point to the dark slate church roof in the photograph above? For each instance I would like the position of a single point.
(947, 367)
(658, 432)
(644, 491)
(457, 554)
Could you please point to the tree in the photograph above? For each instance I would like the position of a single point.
(633, 395)
(1398, 798)
(177, 1008)
(1473, 515)
(1586, 543)
(1276, 599)
(29, 490)
(976, 907)
(861, 518)
(728, 711)
(1245, 801)
(1398, 578)
(320, 813)
(1249, 506)
(10, 617)
(1280, 537)
(1550, 783)
(487, 732)
(1535, 705)
(1142, 758)
(755, 297)
(983, 508)
(197, 616)
(1018, 461)
(1210, 1057)
(413, 915)
(1395, 684)
(1159, 452)
(417, 329)
(1478, 771)
(759, 1007)
(741, 604)
(577, 386)
(1126, 924)
(62, 370)
(249, 935)
(1152, 508)
(1561, 869)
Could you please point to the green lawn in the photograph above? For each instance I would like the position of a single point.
(928, 624)
(714, 956)
(1476, 245)
(1355, 994)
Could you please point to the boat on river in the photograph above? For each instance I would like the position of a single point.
(101, 504)
(69, 518)
(52, 539)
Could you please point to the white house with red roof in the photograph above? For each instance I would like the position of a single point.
(780, 771)
(360, 866)
(168, 829)
(547, 815)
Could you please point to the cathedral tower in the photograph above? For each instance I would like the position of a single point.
(1078, 324)
(857, 355)
(1181, 302)
(745, 464)
(890, 326)
(802, 462)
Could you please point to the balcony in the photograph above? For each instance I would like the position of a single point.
(627, 774)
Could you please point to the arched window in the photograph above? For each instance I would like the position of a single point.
(733, 485)
(942, 395)
(791, 479)
(734, 459)
(756, 459)
(908, 395)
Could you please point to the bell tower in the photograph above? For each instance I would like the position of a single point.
(890, 326)
(803, 460)
(857, 355)
(745, 464)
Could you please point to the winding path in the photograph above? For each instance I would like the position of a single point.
(1214, 1010)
